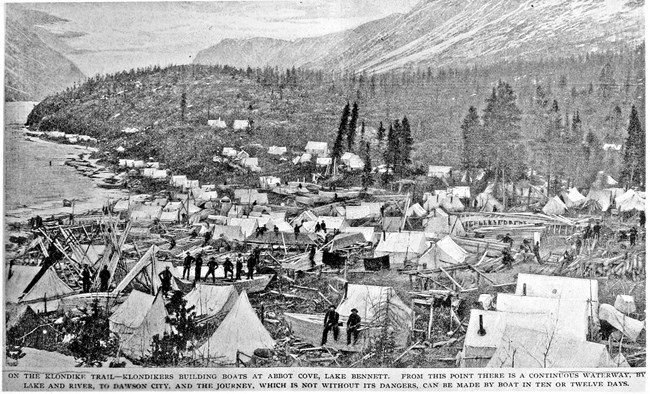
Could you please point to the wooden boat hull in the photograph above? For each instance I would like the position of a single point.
(85, 300)
(309, 329)
(255, 285)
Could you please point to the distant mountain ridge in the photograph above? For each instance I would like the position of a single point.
(442, 33)
(34, 64)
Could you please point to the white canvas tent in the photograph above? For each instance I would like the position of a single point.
(49, 287)
(438, 226)
(577, 289)
(217, 123)
(137, 320)
(566, 317)
(240, 124)
(630, 201)
(317, 148)
(416, 210)
(527, 348)
(240, 331)
(150, 267)
(211, 300)
(602, 197)
(572, 198)
(277, 150)
(401, 247)
(554, 206)
(229, 233)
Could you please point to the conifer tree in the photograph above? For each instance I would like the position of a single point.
(183, 105)
(471, 139)
(501, 119)
(381, 131)
(367, 166)
(634, 155)
(337, 149)
(576, 126)
(352, 126)
(405, 145)
(392, 147)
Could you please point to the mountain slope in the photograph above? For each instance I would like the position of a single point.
(442, 33)
(33, 67)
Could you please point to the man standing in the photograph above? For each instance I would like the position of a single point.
(633, 236)
(212, 267)
(312, 254)
(239, 265)
(322, 226)
(331, 323)
(187, 263)
(296, 230)
(250, 266)
(354, 324)
(536, 252)
(165, 280)
(227, 268)
(197, 268)
(597, 231)
(104, 276)
(85, 279)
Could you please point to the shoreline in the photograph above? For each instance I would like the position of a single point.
(29, 169)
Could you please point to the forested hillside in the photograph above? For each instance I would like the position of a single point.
(290, 107)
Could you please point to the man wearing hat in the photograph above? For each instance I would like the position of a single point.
(354, 324)
(187, 263)
(331, 323)
(239, 265)
(212, 267)
(165, 280)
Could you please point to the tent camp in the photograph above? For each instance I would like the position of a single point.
(439, 171)
(580, 289)
(369, 301)
(247, 225)
(567, 318)
(137, 320)
(317, 148)
(217, 123)
(211, 300)
(443, 253)
(416, 210)
(478, 349)
(572, 198)
(42, 295)
(229, 233)
(438, 226)
(528, 348)
(602, 197)
(401, 247)
(277, 150)
(554, 206)
(630, 201)
(486, 202)
(240, 124)
(229, 338)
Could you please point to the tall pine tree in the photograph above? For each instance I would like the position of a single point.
(381, 131)
(634, 155)
(471, 130)
(501, 119)
(367, 166)
(392, 146)
(352, 126)
(337, 149)
(405, 146)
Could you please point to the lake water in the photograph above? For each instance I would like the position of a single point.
(33, 186)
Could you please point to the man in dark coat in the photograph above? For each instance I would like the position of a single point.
(322, 226)
(227, 268)
(536, 252)
(239, 265)
(165, 280)
(312, 254)
(197, 268)
(250, 266)
(212, 267)
(296, 230)
(354, 324)
(596, 231)
(85, 279)
(104, 277)
(187, 263)
(331, 322)
(633, 234)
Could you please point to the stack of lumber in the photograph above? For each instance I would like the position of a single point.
(632, 267)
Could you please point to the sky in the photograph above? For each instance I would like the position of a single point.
(123, 35)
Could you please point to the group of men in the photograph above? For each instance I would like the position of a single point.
(331, 323)
(235, 270)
